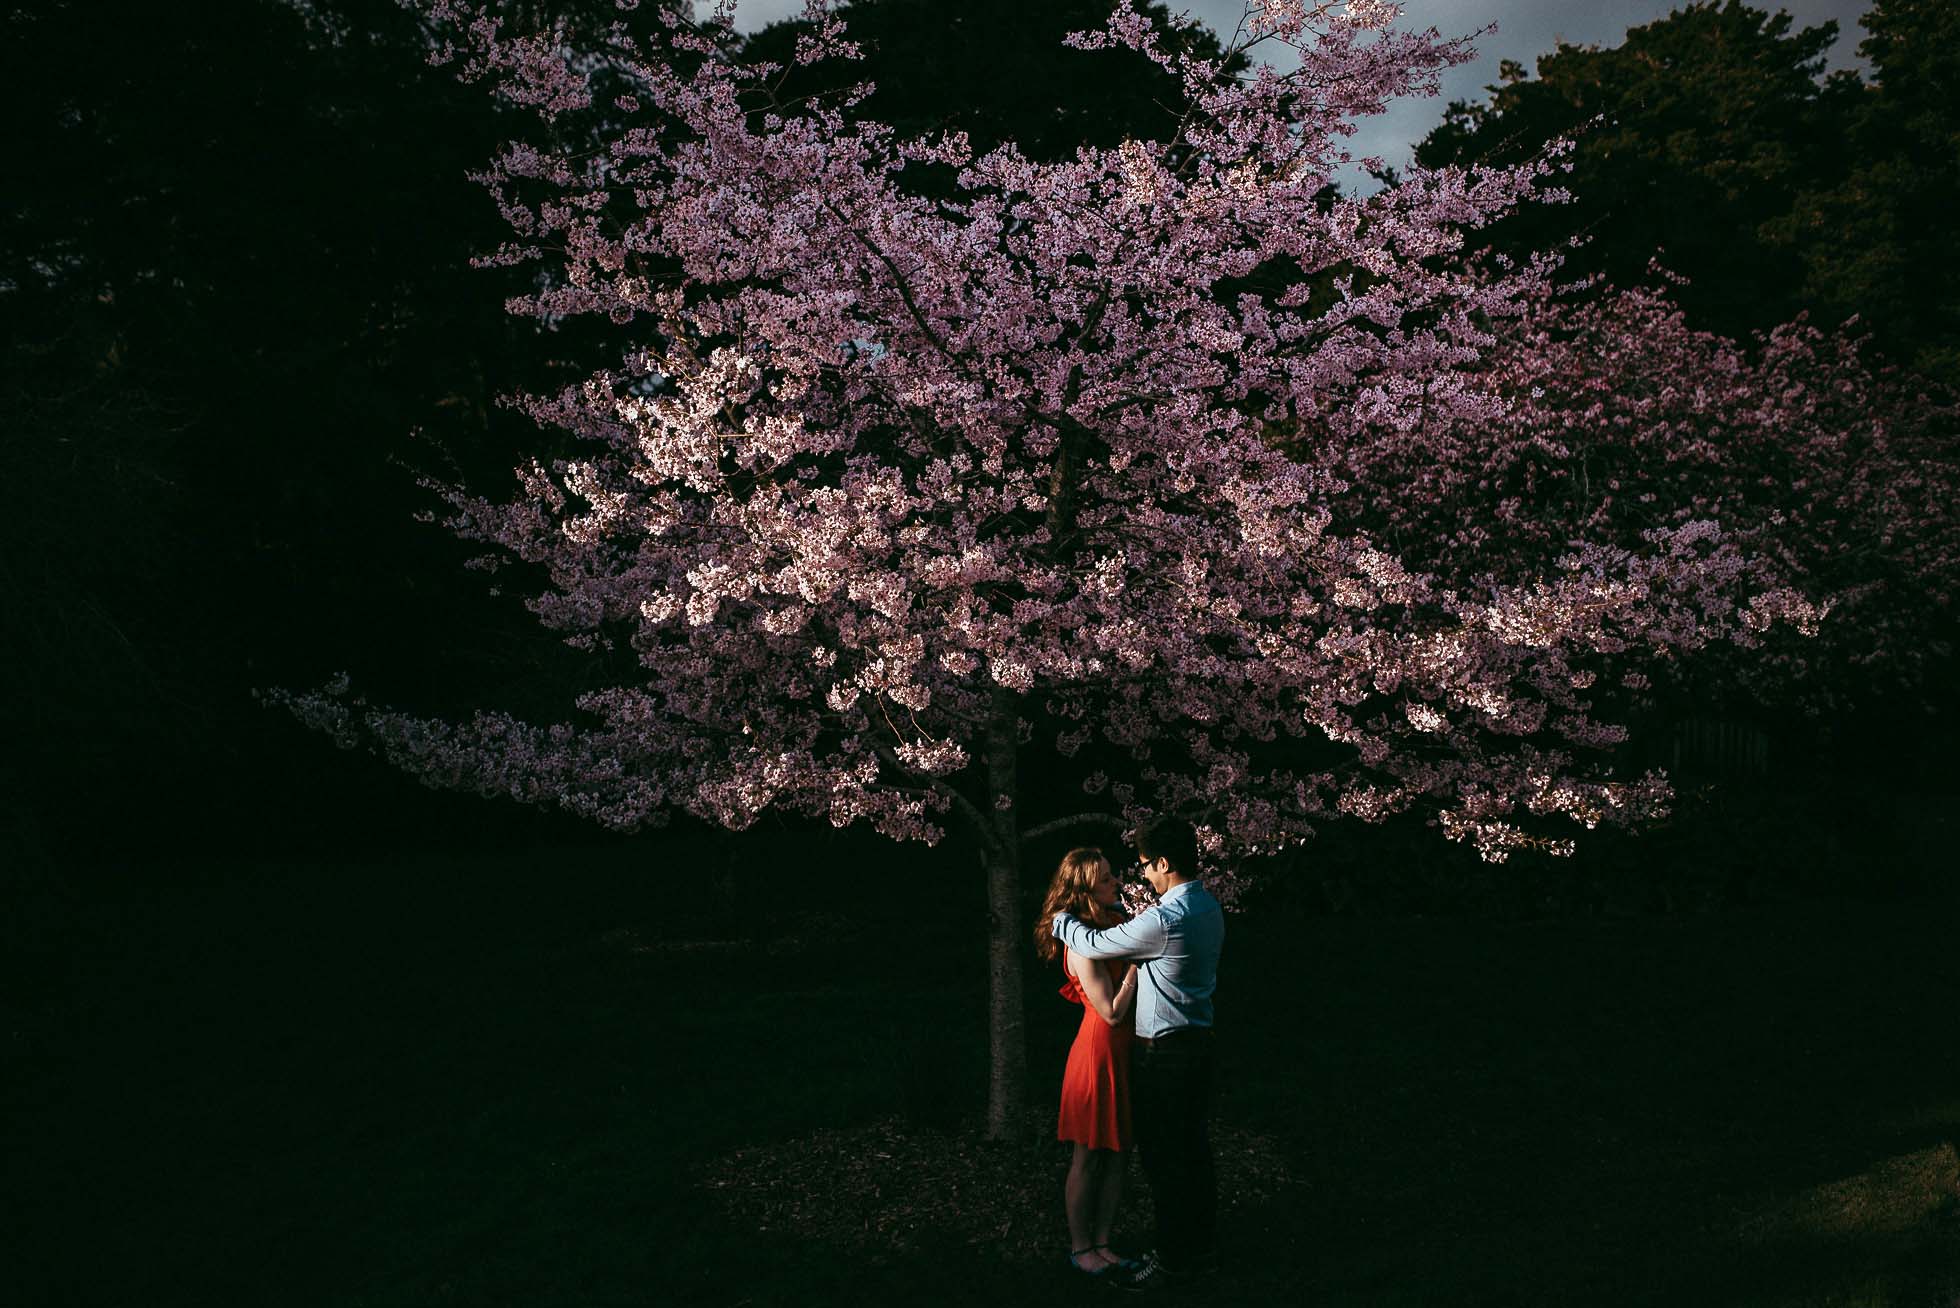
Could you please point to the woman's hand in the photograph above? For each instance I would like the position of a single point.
(1126, 995)
(1111, 1003)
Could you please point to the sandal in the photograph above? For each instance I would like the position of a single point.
(1086, 1271)
(1117, 1260)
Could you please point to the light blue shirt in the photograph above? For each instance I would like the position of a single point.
(1177, 940)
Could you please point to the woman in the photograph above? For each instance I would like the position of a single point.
(1095, 1112)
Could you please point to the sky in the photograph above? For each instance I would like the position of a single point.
(1525, 30)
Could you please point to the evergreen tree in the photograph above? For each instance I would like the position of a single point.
(1877, 242)
(1694, 139)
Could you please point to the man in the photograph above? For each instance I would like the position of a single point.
(1177, 943)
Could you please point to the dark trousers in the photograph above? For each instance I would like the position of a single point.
(1170, 1088)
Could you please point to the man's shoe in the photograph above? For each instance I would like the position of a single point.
(1154, 1274)
(1147, 1275)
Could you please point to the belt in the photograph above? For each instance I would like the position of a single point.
(1177, 1035)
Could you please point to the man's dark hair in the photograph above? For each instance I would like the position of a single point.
(1169, 838)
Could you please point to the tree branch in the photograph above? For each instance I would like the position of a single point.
(966, 807)
(981, 826)
(1074, 820)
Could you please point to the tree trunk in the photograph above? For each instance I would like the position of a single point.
(1007, 1044)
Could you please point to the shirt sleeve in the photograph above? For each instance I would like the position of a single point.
(1143, 937)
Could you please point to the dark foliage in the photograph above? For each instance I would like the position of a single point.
(234, 254)
(997, 71)
(1712, 140)
(1877, 242)
(1691, 136)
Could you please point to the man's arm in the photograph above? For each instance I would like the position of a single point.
(1141, 938)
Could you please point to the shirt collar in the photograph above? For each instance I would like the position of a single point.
(1177, 890)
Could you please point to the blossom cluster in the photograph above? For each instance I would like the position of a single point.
(887, 488)
(1834, 476)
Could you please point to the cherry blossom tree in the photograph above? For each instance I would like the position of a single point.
(893, 499)
(1836, 477)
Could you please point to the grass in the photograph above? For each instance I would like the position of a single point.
(567, 1080)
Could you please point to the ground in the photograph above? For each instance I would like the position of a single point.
(563, 1078)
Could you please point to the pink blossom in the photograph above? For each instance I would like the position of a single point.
(883, 482)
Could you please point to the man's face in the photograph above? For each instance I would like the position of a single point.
(1157, 871)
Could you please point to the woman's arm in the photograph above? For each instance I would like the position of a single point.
(1112, 1003)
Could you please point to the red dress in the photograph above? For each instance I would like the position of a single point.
(1096, 1083)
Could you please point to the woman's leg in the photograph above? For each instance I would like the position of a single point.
(1081, 1195)
(1111, 1167)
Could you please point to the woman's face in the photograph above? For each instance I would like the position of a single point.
(1105, 891)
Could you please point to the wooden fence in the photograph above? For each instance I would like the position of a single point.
(1710, 746)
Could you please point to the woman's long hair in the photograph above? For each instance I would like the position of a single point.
(1073, 892)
